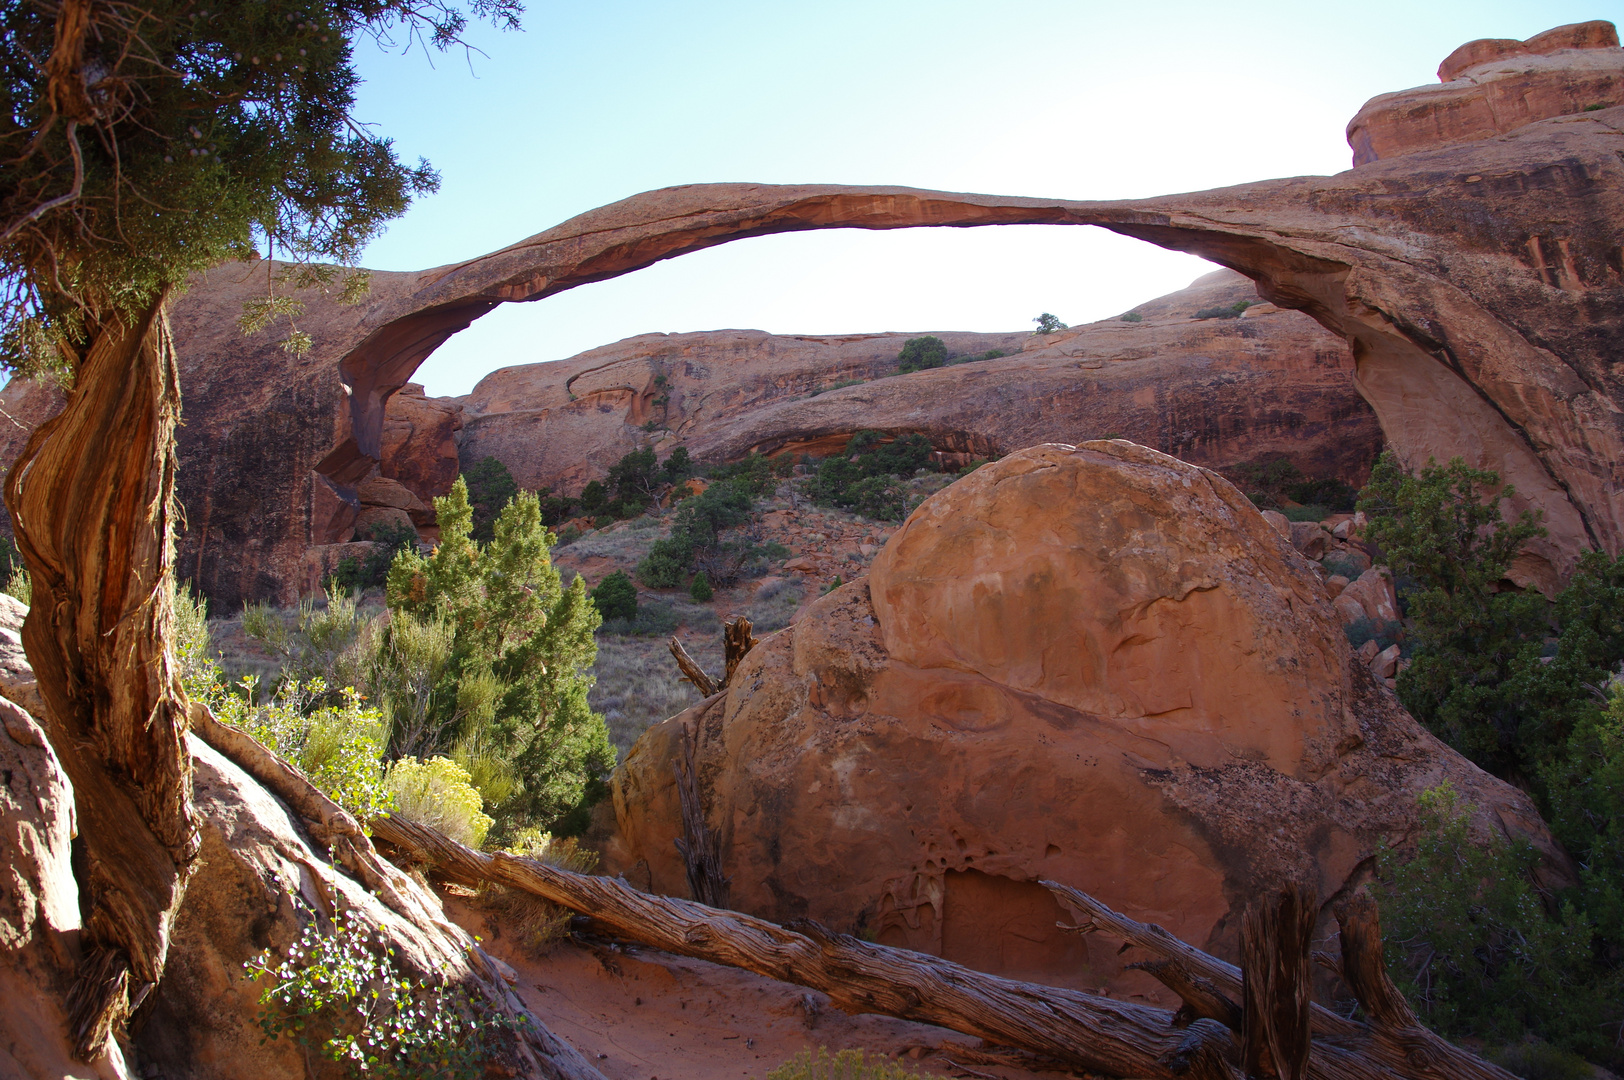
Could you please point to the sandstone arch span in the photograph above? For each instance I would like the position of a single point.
(1481, 287)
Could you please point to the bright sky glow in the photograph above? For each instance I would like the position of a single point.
(596, 101)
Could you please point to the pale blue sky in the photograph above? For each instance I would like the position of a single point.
(596, 101)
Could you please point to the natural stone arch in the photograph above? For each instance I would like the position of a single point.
(1454, 322)
(1479, 286)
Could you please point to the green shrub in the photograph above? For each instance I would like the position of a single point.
(701, 589)
(1049, 324)
(1229, 311)
(1472, 947)
(616, 596)
(1585, 793)
(678, 467)
(354, 575)
(654, 619)
(846, 1065)
(754, 474)
(1132, 316)
(633, 483)
(14, 573)
(921, 353)
(1384, 632)
(594, 498)
(990, 354)
(555, 509)
(697, 530)
(485, 648)
(338, 747)
(438, 793)
(863, 477)
(323, 642)
(339, 989)
(1443, 530)
(490, 487)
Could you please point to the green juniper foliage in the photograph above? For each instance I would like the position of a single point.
(1527, 689)
(1049, 324)
(698, 538)
(865, 477)
(616, 596)
(159, 140)
(1474, 949)
(486, 654)
(921, 353)
(1443, 532)
(490, 487)
(700, 589)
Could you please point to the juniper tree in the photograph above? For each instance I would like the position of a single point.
(143, 143)
(510, 695)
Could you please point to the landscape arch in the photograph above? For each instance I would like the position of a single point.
(1478, 285)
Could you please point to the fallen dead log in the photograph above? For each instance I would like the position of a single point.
(1086, 1031)
(1394, 1043)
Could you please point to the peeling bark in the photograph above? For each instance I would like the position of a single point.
(92, 504)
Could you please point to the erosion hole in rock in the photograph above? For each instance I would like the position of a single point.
(1006, 927)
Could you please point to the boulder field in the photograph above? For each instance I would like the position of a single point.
(1479, 284)
(1098, 665)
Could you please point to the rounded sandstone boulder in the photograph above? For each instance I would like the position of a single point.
(1098, 665)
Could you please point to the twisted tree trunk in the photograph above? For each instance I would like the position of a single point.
(92, 500)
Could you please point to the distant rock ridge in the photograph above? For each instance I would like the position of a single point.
(1214, 391)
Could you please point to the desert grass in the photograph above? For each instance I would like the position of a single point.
(639, 685)
(535, 923)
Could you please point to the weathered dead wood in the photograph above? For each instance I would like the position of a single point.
(1202, 1000)
(691, 669)
(700, 847)
(330, 824)
(92, 500)
(1277, 934)
(1393, 1045)
(736, 642)
(1394, 1027)
(1094, 1033)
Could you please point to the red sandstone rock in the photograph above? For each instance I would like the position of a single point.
(1098, 665)
(1217, 392)
(418, 447)
(1493, 86)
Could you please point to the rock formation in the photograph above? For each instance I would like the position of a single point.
(1480, 285)
(1213, 391)
(1097, 665)
(1492, 86)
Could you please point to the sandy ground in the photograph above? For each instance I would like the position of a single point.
(642, 1014)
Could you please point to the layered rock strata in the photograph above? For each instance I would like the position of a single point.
(1097, 665)
(1492, 86)
(1213, 391)
(1480, 285)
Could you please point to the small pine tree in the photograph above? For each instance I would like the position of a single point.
(701, 589)
(616, 596)
(518, 671)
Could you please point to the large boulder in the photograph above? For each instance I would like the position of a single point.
(1094, 664)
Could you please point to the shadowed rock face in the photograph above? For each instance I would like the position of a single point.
(1481, 286)
(1098, 665)
(1213, 391)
